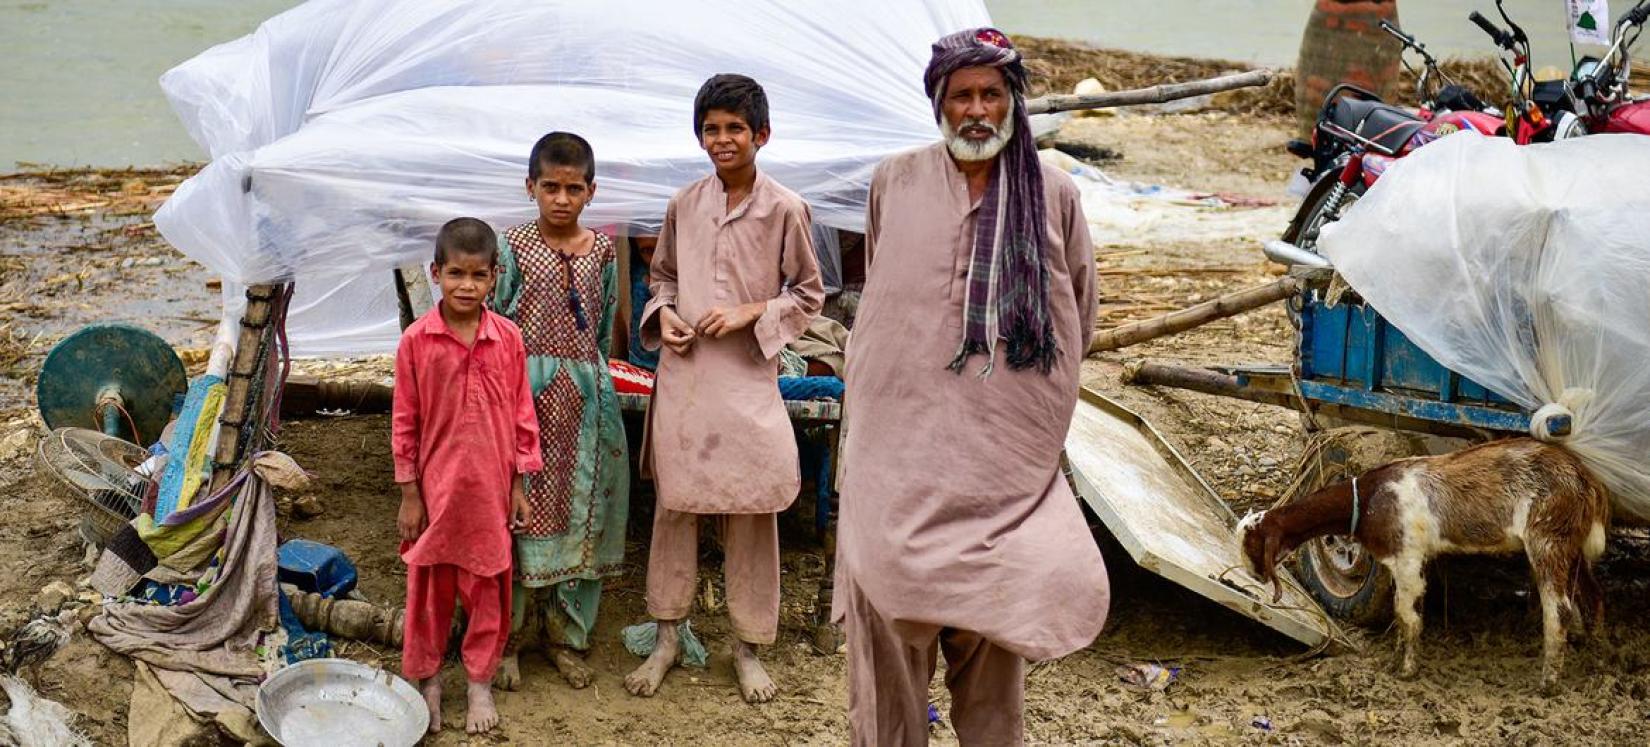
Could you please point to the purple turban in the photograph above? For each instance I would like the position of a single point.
(1008, 275)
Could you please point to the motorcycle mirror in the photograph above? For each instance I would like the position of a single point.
(1517, 31)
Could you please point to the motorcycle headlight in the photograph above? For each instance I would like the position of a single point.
(1568, 125)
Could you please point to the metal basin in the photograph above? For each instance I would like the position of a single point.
(340, 703)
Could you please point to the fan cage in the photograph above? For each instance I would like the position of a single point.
(98, 472)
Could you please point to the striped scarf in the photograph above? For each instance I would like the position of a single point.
(1008, 275)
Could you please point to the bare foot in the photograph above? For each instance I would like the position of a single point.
(754, 682)
(508, 676)
(645, 680)
(481, 716)
(572, 667)
(431, 689)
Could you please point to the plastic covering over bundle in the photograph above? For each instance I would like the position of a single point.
(1526, 269)
(343, 133)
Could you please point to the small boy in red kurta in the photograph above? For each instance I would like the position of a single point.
(464, 433)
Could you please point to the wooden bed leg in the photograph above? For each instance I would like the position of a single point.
(827, 636)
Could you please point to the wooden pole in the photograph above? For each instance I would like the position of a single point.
(1223, 385)
(1231, 304)
(1152, 95)
(240, 400)
(308, 395)
(350, 618)
(1202, 380)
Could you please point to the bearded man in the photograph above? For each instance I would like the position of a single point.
(958, 533)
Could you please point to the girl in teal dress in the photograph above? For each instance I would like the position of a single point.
(559, 282)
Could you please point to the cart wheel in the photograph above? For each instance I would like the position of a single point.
(1337, 571)
(1345, 580)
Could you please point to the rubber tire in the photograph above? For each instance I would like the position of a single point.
(1369, 606)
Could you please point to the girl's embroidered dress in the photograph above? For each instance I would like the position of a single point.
(565, 308)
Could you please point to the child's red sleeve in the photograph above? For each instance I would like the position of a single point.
(528, 456)
(404, 414)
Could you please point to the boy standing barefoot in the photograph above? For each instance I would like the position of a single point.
(463, 434)
(734, 279)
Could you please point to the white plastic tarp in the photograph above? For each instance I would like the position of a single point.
(1526, 269)
(343, 133)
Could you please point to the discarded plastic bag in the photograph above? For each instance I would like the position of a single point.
(641, 640)
(1149, 677)
(1527, 270)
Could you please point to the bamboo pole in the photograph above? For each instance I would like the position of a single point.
(239, 400)
(1231, 304)
(1152, 95)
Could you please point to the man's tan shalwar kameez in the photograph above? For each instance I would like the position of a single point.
(957, 528)
(719, 441)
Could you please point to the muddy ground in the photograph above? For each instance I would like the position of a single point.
(1239, 683)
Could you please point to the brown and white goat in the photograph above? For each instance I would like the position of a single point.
(1498, 498)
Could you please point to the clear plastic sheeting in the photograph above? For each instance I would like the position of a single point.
(1526, 269)
(343, 133)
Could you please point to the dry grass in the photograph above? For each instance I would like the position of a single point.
(16, 347)
(44, 191)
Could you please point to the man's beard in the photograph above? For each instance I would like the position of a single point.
(964, 149)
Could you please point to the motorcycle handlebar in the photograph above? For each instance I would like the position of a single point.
(1496, 34)
(1637, 16)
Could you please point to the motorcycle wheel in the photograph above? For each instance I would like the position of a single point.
(1316, 211)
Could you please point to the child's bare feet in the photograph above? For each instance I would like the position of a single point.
(572, 667)
(645, 680)
(481, 715)
(754, 682)
(508, 676)
(431, 689)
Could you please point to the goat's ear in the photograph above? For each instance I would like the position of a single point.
(1271, 569)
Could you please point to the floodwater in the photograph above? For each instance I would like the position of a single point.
(80, 83)
(80, 77)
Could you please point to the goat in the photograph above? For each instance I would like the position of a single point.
(1497, 498)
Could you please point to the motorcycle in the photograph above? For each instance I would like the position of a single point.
(1357, 136)
(1592, 99)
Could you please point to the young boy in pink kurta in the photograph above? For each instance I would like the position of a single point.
(734, 279)
(463, 433)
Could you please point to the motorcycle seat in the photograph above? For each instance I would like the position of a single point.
(1386, 125)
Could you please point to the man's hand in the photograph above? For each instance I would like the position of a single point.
(723, 321)
(521, 512)
(411, 520)
(676, 334)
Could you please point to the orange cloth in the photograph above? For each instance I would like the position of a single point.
(431, 592)
(463, 427)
